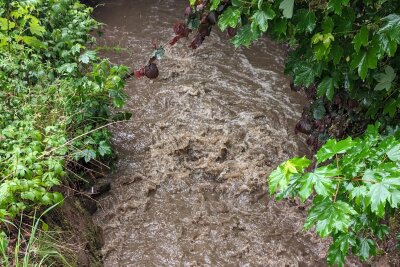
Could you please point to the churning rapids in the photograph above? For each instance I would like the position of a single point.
(189, 188)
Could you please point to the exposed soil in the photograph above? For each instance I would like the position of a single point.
(80, 240)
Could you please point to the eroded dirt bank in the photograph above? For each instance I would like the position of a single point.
(189, 186)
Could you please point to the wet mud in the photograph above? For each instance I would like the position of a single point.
(189, 188)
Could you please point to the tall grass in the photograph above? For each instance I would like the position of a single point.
(32, 245)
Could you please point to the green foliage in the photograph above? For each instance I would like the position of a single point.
(54, 94)
(287, 8)
(338, 45)
(230, 18)
(355, 184)
(34, 244)
(385, 79)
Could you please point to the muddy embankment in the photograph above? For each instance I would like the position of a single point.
(189, 188)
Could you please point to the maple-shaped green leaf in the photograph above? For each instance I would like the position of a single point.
(245, 36)
(320, 180)
(75, 49)
(306, 20)
(306, 187)
(36, 29)
(392, 26)
(323, 45)
(361, 38)
(327, 87)
(363, 61)
(394, 198)
(336, 5)
(280, 26)
(277, 179)
(87, 154)
(104, 148)
(391, 107)
(385, 79)
(332, 148)
(329, 217)
(287, 7)
(304, 74)
(394, 153)
(87, 56)
(360, 62)
(339, 248)
(260, 17)
(229, 18)
(358, 193)
(379, 194)
(299, 163)
(365, 248)
(335, 256)
(386, 44)
(280, 177)
(328, 39)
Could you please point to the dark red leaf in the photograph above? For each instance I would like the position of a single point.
(139, 73)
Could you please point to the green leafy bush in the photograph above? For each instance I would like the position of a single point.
(338, 45)
(355, 183)
(54, 93)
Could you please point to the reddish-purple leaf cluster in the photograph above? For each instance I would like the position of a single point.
(181, 30)
(204, 30)
(139, 73)
(231, 31)
(150, 71)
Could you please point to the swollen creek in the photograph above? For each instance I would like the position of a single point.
(189, 187)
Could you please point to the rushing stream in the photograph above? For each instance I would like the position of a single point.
(189, 188)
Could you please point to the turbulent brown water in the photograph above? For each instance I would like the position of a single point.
(189, 188)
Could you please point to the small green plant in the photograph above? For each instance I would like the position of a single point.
(28, 246)
(355, 183)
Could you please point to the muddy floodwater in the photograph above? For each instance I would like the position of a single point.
(189, 186)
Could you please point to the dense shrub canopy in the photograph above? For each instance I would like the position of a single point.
(54, 92)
